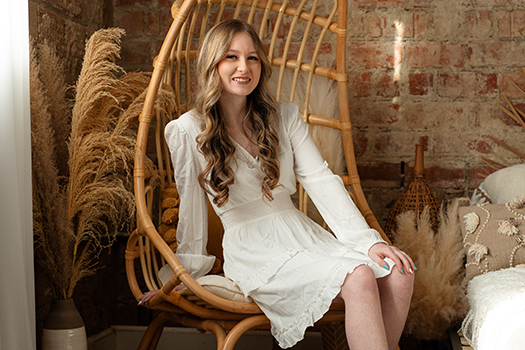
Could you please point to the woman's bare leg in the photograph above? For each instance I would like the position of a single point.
(363, 316)
(395, 291)
(375, 309)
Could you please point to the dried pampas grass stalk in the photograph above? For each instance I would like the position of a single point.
(77, 222)
(52, 233)
(439, 299)
(53, 75)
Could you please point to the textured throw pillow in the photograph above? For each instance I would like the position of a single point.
(493, 236)
(505, 184)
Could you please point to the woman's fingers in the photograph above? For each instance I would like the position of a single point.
(404, 263)
(147, 296)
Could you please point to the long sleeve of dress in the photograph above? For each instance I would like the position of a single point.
(327, 190)
(192, 229)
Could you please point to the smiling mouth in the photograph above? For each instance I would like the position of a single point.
(242, 80)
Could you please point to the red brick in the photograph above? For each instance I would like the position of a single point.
(360, 84)
(77, 39)
(445, 175)
(504, 24)
(460, 144)
(132, 22)
(395, 144)
(434, 54)
(360, 142)
(158, 22)
(364, 24)
(385, 85)
(502, 3)
(137, 52)
(467, 84)
(371, 54)
(508, 88)
(421, 24)
(420, 84)
(398, 24)
(478, 24)
(131, 2)
(497, 54)
(379, 114)
(504, 118)
(518, 23)
(380, 175)
(445, 116)
(448, 23)
(377, 3)
(440, 3)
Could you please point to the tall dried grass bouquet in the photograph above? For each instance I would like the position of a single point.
(439, 301)
(80, 205)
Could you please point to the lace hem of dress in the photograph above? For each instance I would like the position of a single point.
(317, 307)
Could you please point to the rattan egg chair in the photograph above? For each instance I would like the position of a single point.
(296, 33)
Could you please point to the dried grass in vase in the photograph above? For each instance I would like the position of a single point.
(77, 221)
(439, 300)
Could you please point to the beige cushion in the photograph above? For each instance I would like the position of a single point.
(505, 184)
(219, 285)
(223, 287)
(487, 248)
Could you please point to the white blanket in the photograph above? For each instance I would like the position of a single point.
(496, 319)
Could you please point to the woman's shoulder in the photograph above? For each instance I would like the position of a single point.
(188, 123)
(288, 114)
(287, 109)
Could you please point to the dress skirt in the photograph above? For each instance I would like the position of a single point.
(288, 264)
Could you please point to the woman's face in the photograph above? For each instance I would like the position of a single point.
(240, 70)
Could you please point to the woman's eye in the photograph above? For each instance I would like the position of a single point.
(253, 58)
(231, 57)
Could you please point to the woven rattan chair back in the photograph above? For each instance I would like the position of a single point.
(298, 34)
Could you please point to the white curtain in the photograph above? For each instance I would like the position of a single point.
(17, 301)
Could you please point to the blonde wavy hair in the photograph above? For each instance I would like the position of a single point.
(214, 142)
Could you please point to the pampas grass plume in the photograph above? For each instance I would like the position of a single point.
(439, 300)
(74, 223)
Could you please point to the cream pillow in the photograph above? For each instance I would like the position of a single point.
(505, 184)
(219, 285)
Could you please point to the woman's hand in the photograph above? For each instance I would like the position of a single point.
(379, 251)
(148, 295)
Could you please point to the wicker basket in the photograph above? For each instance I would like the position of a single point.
(416, 197)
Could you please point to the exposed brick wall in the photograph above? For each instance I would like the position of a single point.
(432, 72)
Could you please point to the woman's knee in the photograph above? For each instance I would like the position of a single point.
(361, 280)
(397, 283)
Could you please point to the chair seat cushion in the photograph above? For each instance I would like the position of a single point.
(223, 287)
(219, 285)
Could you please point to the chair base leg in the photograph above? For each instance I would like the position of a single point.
(151, 337)
(240, 328)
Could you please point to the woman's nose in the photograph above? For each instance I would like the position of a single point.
(242, 67)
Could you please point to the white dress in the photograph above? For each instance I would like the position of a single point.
(288, 264)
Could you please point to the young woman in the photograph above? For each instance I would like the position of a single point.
(244, 151)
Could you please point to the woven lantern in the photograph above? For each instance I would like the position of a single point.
(415, 198)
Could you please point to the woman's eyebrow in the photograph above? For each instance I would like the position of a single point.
(254, 52)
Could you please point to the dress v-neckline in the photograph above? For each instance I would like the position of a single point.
(238, 145)
(251, 161)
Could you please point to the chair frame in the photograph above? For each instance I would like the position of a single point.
(198, 307)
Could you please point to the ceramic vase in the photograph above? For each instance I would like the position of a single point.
(63, 327)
